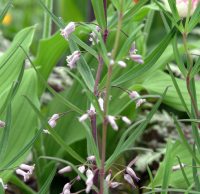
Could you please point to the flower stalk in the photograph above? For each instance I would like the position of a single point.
(106, 100)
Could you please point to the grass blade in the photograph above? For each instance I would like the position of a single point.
(5, 10)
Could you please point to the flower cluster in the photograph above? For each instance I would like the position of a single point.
(93, 36)
(135, 96)
(72, 59)
(134, 56)
(86, 168)
(25, 170)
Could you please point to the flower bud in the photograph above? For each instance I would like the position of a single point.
(113, 185)
(121, 64)
(126, 120)
(91, 159)
(26, 175)
(131, 172)
(111, 120)
(3, 185)
(2, 124)
(65, 170)
(68, 30)
(128, 178)
(83, 117)
(178, 167)
(28, 168)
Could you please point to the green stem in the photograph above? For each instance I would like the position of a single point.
(47, 19)
(188, 79)
(106, 102)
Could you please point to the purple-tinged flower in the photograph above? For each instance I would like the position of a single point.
(101, 103)
(2, 124)
(111, 120)
(131, 172)
(133, 95)
(129, 179)
(126, 120)
(114, 185)
(122, 64)
(72, 59)
(137, 58)
(52, 121)
(68, 30)
(140, 102)
(183, 7)
(26, 175)
(3, 185)
(178, 167)
(91, 159)
(28, 168)
(65, 170)
(91, 112)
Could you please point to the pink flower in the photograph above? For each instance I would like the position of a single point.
(68, 30)
(134, 56)
(111, 120)
(26, 175)
(72, 59)
(131, 172)
(183, 6)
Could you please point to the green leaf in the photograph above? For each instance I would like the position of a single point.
(98, 8)
(5, 10)
(149, 62)
(54, 134)
(46, 185)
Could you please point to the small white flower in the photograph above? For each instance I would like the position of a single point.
(126, 120)
(81, 170)
(140, 102)
(2, 124)
(72, 59)
(3, 185)
(66, 189)
(52, 123)
(111, 120)
(108, 177)
(178, 167)
(89, 181)
(129, 179)
(121, 64)
(68, 30)
(26, 175)
(28, 168)
(133, 95)
(114, 185)
(131, 172)
(91, 159)
(93, 38)
(112, 62)
(83, 117)
(55, 117)
(101, 103)
(65, 170)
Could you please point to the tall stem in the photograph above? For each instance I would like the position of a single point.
(47, 19)
(188, 79)
(106, 101)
